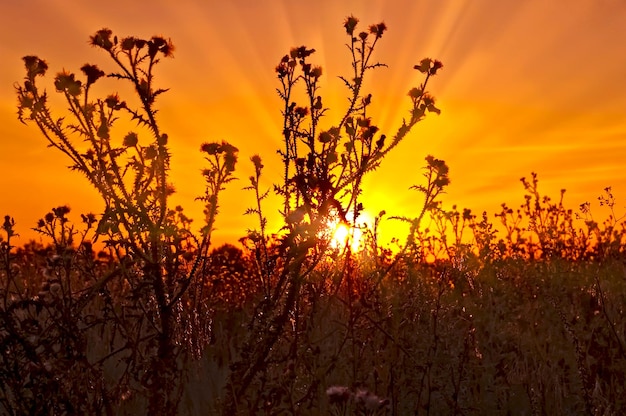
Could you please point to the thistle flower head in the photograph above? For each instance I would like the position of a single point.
(282, 70)
(301, 111)
(131, 139)
(127, 43)
(66, 82)
(210, 148)
(92, 72)
(350, 24)
(159, 44)
(150, 152)
(378, 29)
(102, 39)
(316, 72)
(436, 66)
(230, 156)
(34, 66)
(257, 162)
(113, 101)
(61, 211)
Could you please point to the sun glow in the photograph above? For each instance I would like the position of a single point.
(345, 234)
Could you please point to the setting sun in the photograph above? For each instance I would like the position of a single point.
(345, 234)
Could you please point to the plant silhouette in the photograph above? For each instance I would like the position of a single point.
(148, 238)
(132, 311)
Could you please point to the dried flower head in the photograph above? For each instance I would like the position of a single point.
(88, 219)
(282, 70)
(423, 66)
(415, 93)
(8, 225)
(34, 66)
(127, 43)
(113, 101)
(441, 170)
(378, 29)
(150, 152)
(300, 52)
(230, 156)
(350, 24)
(131, 139)
(102, 38)
(316, 72)
(26, 100)
(92, 72)
(61, 211)
(301, 111)
(258, 164)
(159, 44)
(66, 82)
(436, 66)
(210, 148)
(325, 137)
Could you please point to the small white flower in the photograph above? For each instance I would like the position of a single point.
(368, 400)
(338, 394)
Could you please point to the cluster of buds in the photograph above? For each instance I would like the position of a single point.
(351, 23)
(104, 39)
(228, 150)
(440, 169)
(297, 55)
(428, 66)
(58, 213)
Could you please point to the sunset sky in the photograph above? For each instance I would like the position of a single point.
(535, 85)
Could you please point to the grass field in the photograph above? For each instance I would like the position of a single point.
(370, 333)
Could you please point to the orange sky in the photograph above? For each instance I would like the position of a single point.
(526, 86)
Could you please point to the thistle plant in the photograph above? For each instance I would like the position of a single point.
(129, 170)
(324, 166)
(436, 180)
(10, 285)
